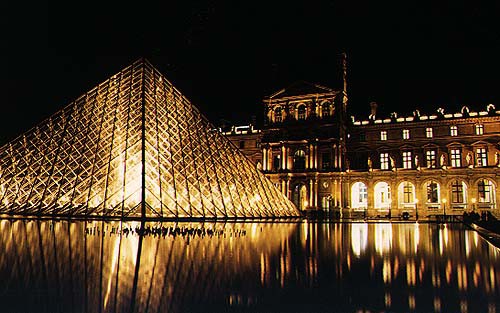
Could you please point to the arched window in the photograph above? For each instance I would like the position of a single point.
(276, 162)
(382, 195)
(299, 196)
(301, 112)
(432, 191)
(485, 191)
(406, 193)
(299, 160)
(325, 109)
(278, 115)
(359, 195)
(458, 192)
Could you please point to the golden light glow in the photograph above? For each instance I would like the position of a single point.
(133, 142)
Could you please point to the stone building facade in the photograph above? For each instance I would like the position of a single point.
(421, 165)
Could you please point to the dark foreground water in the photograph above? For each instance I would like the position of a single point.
(60, 266)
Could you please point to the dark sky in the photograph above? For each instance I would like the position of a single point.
(225, 56)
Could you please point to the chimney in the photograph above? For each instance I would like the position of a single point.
(373, 110)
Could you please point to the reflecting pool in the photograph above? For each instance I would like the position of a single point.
(96, 266)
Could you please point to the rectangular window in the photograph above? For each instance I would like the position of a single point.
(453, 131)
(456, 158)
(484, 191)
(383, 135)
(407, 159)
(430, 157)
(481, 157)
(408, 193)
(428, 132)
(432, 192)
(479, 129)
(384, 161)
(363, 194)
(406, 134)
(457, 192)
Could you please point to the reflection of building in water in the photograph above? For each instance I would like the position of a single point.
(399, 265)
(349, 267)
(111, 273)
(441, 162)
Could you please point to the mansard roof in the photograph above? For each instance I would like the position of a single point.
(301, 88)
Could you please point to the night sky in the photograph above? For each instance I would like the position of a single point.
(225, 56)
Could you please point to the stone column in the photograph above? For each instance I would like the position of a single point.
(311, 192)
(283, 157)
(315, 194)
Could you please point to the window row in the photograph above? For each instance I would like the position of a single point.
(278, 114)
(407, 194)
(299, 161)
(429, 132)
(411, 160)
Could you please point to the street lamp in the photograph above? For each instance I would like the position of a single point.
(416, 209)
(444, 207)
(473, 204)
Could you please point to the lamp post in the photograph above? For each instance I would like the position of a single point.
(416, 209)
(444, 208)
(473, 204)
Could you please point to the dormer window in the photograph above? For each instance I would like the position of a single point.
(325, 109)
(453, 130)
(428, 132)
(479, 129)
(383, 135)
(277, 115)
(301, 112)
(406, 134)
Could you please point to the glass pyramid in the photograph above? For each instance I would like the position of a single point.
(133, 146)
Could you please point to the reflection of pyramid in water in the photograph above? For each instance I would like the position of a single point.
(133, 146)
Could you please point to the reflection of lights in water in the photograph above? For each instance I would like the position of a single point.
(416, 236)
(359, 237)
(437, 304)
(383, 238)
(396, 267)
(477, 274)
(441, 246)
(467, 244)
(448, 271)
(386, 271)
(305, 233)
(253, 231)
(462, 277)
(114, 262)
(422, 270)
(411, 301)
(262, 269)
(463, 306)
(492, 307)
(492, 279)
(388, 299)
(446, 233)
(410, 273)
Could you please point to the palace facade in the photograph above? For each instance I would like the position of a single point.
(441, 163)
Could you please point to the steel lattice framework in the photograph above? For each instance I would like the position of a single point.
(133, 146)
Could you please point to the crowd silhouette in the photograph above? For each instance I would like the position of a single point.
(164, 231)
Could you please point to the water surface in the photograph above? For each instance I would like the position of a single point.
(95, 266)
